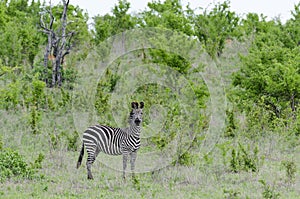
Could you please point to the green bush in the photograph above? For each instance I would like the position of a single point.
(244, 160)
(290, 168)
(186, 159)
(69, 75)
(54, 140)
(72, 141)
(37, 164)
(231, 193)
(231, 124)
(38, 92)
(269, 191)
(65, 98)
(13, 164)
(34, 119)
(10, 95)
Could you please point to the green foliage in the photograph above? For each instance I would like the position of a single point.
(213, 27)
(244, 160)
(122, 20)
(292, 28)
(10, 95)
(54, 140)
(169, 59)
(136, 183)
(69, 75)
(36, 102)
(160, 141)
(59, 139)
(77, 21)
(290, 169)
(231, 124)
(13, 164)
(167, 14)
(38, 93)
(186, 159)
(225, 148)
(22, 90)
(208, 159)
(72, 141)
(265, 90)
(255, 24)
(65, 97)
(105, 87)
(269, 78)
(37, 164)
(20, 37)
(34, 119)
(269, 191)
(110, 25)
(232, 194)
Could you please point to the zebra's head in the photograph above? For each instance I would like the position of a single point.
(136, 114)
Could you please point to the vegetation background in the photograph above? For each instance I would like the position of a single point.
(256, 154)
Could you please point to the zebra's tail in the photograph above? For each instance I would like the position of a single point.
(80, 156)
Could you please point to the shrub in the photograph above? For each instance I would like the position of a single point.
(269, 191)
(38, 92)
(13, 164)
(10, 95)
(231, 124)
(290, 168)
(231, 193)
(54, 140)
(34, 119)
(244, 160)
(186, 159)
(37, 164)
(72, 141)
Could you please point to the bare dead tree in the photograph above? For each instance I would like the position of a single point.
(48, 29)
(58, 46)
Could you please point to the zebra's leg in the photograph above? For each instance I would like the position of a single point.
(90, 160)
(125, 157)
(132, 162)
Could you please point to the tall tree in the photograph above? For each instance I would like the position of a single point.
(213, 27)
(169, 14)
(20, 37)
(109, 25)
(269, 77)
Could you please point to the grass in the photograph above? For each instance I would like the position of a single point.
(59, 178)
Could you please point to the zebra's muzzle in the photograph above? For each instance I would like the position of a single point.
(137, 122)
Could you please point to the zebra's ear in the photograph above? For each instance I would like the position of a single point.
(134, 105)
(141, 105)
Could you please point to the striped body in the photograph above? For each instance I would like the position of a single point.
(113, 141)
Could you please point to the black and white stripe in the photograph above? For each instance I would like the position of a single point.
(113, 141)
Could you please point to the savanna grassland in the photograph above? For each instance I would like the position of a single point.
(221, 93)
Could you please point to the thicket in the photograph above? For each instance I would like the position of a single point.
(13, 165)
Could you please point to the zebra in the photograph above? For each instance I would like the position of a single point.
(114, 141)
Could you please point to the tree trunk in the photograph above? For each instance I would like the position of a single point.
(53, 74)
(46, 57)
(293, 107)
(58, 70)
